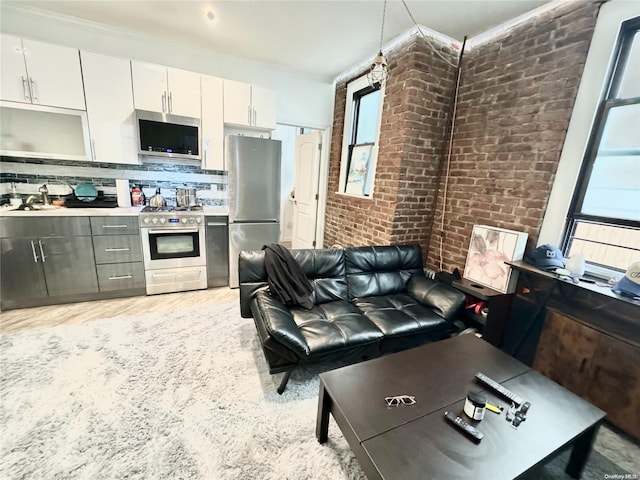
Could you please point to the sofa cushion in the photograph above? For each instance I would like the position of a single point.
(333, 326)
(384, 270)
(399, 315)
(325, 270)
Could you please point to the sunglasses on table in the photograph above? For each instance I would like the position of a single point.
(400, 400)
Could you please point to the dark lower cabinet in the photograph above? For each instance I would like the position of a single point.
(38, 270)
(598, 367)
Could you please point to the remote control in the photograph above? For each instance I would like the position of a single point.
(499, 388)
(464, 426)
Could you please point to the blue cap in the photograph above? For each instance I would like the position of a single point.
(630, 283)
(545, 257)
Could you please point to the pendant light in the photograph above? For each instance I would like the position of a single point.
(378, 73)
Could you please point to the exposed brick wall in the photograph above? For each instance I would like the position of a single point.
(414, 115)
(515, 101)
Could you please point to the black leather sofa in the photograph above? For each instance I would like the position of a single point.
(368, 301)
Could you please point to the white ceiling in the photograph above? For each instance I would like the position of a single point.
(320, 37)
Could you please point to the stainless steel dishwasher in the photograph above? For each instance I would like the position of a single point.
(217, 231)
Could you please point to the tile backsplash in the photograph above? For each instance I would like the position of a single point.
(29, 174)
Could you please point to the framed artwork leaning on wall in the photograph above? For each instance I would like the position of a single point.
(489, 248)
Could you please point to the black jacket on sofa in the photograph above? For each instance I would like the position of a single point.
(367, 301)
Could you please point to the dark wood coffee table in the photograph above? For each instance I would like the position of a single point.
(417, 442)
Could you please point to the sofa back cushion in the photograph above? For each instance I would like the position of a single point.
(325, 269)
(381, 270)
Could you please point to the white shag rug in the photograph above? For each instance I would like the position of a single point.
(183, 395)
(177, 395)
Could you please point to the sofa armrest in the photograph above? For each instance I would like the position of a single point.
(439, 297)
(279, 324)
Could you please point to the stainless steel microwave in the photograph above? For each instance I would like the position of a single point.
(165, 135)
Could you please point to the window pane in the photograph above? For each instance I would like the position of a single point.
(630, 82)
(614, 188)
(368, 118)
(621, 129)
(604, 244)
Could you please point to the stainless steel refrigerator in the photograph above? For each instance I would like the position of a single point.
(253, 166)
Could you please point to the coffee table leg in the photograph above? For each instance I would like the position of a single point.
(580, 452)
(324, 408)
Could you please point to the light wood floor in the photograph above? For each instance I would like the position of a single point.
(75, 313)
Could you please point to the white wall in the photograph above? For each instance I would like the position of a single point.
(597, 66)
(287, 135)
(302, 99)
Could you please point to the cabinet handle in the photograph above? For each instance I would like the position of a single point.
(25, 89)
(125, 249)
(164, 101)
(32, 84)
(121, 277)
(93, 145)
(205, 157)
(35, 255)
(177, 275)
(42, 251)
(255, 117)
(249, 114)
(170, 102)
(582, 365)
(215, 224)
(115, 226)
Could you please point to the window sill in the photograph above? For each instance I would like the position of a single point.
(351, 195)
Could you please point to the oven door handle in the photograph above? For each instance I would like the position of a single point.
(177, 230)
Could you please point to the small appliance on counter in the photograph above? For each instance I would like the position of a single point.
(100, 201)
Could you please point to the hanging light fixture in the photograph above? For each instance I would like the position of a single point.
(378, 73)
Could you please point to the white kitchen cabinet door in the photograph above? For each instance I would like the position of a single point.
(13, 73)
(237, 103)
(112, 123)
(41, 73)
(212, 129)
(150, 90)
(184, 93)
(54, 75)
(263, 102)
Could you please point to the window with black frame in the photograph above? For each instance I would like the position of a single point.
(364, 132)
(604, 219)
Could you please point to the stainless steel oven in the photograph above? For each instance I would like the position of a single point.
(174, 249)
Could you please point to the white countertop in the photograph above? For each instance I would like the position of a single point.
(92, 212)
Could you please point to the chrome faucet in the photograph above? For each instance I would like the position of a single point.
(44, 191)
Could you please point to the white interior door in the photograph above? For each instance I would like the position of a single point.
(305, 208)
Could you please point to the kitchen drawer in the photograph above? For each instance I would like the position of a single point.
(117, 248)
(13, 227)
(120, 276)
(115, 225)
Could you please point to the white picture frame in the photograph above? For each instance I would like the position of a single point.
(489, 249)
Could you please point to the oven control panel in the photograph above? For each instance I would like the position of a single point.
(171, 220)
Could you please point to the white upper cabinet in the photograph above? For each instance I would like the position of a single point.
(112, 123)
(40, 73)
(263, 101)
(249, 106)
(212, 129)
(184, 93)
(157, 88)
